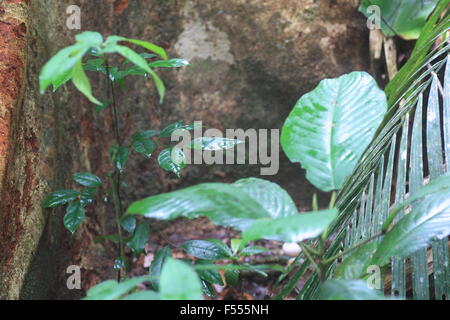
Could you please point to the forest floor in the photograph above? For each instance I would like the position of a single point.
(251, 286)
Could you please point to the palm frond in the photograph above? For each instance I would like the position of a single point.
(399, 159)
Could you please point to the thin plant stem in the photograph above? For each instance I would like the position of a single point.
(115, 178)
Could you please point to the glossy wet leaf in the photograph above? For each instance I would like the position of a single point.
(355, 265)
(119, 156)
(87, 196)
(274, 199)
(348, 290)
(294, 228)
(232, 277)
(171, 63)
(172, 160)
(59, 198)
(144, 146)
(179, 281)
(429, 219)
(214, 143)
(208, 289)
(167, 131)
(330, 127)
(74, 216)
(87, 179)
(210, 276)
(224, 204)
(207, 249)
(140, 238)
(404, 18)
(157, 265)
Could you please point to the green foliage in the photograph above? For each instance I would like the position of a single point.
(140, 238)
(67, 64)
(59, 198)
(157, 265)
(330, 127)
(404, 18)
(173, 274)
(295, 228)
(173, 160)
(429, 219)
(87, 179)
(348, 290)
(211, 249)
(74, 216)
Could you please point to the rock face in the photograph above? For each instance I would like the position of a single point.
(250, 61)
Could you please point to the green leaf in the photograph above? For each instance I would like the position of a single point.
(171, 63)
(150, 47)
(210, 276)
(143, 295)
(140, 238)
(208, 289)
(207, 249)
(294, 228)
(348, 290)
(133, 57)
(274, 199)
(235, 245)
(172, 160)
(74, 216)
(179, 282)
(237, 205)
(252, 250)
(58, 69)
(128, 223)
(111, 290)
(439, 184)
(171, 128)
(62, 79)
(330, 127)
(404, 18)
(81, 81)
(429, 219)
(59, 198)
(232, 277)
(157, 265)
(119, 156)
(87, 179)
(90, 38)
(87, 196)
(214, 143)
(144, 146)
(355, 265)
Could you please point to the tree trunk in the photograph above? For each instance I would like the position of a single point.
(250, 62)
